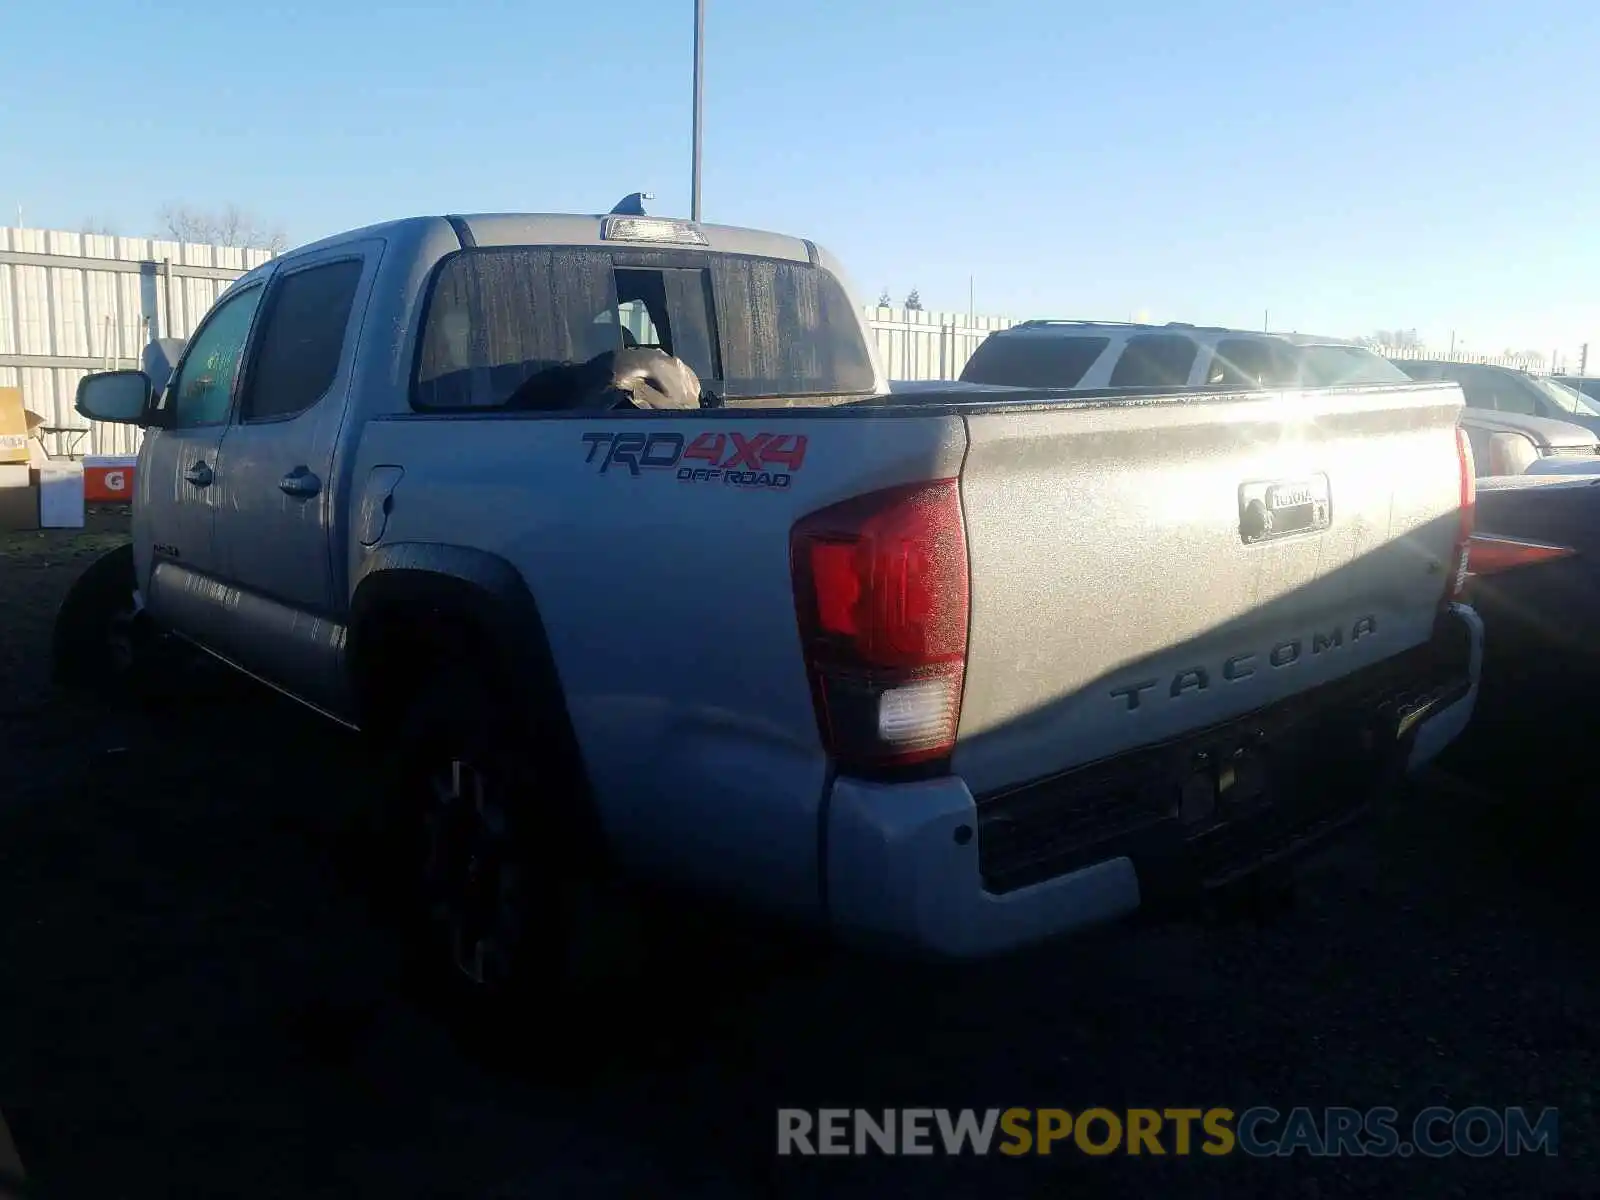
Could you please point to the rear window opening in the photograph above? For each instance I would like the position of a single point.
(668, 309)
(496, 317)
(1033, 362)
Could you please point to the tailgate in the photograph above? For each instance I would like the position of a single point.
(1116, 601)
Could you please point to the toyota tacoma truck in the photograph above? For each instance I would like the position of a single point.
(609, 531)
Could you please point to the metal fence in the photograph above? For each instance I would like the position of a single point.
(917, 345)
(1537, 364)
(72, 303)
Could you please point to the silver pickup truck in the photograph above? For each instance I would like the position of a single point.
(609, 531)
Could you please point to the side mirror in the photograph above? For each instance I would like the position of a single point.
(120, 397)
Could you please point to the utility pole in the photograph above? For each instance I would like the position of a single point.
(972, 305)
(1583, 359)
(699, 85)
(1266, 320)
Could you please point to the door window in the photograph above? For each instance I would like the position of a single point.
(1497, 390)
(303, 331)
(1012, 360)
(1253, 363)
(202, 391)
(1155, 360)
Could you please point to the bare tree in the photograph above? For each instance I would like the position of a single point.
(231, 226)
(1393, 339)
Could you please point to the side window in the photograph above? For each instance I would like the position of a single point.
(302, 340)
(1155, 360)
(1515, 395)
(202, 391)
(1252, 363)
(1474, 387)
(1009, 360)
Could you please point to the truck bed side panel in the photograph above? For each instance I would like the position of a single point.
(669, 608)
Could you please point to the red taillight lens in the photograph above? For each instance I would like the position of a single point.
(1490, 555)
(1467, 511)
(880, 587)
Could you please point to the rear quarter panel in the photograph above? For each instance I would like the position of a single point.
(669, 609)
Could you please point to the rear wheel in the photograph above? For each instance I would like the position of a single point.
(504, 891)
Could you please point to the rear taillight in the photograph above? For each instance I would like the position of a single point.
(880, 584)
(1490, 555)
(1466, 511)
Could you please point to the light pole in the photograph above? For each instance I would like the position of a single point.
(699, 77)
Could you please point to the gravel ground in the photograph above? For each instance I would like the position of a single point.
(193, 1000)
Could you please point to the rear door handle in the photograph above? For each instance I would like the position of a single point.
(200, 475)
(300, 482)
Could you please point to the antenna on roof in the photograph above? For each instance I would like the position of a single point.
(632, 205)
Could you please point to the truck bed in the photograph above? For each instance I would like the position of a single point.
(1115, 602)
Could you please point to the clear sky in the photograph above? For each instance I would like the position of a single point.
(1343, 166)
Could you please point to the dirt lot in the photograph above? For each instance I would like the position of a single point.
(193, 1001)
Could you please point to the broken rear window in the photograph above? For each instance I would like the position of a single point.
(497, 316)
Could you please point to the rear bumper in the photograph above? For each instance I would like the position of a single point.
(928, 867)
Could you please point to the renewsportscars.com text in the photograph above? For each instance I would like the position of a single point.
(1477, 1132)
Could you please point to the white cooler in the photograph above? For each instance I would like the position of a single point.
(61, 495)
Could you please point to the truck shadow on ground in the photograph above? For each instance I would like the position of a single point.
(261, 987)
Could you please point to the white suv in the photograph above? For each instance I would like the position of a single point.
(1107, 354)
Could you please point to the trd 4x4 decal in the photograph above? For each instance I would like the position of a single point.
(756, 460)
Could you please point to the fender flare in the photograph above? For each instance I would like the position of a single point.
(437, 582)
(429, 577)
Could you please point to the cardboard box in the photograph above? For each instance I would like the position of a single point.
(108, 479)
(13, 426)
(61, 495)
(19, 508)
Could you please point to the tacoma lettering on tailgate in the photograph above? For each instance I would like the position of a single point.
(732, 459)
(1242, 666)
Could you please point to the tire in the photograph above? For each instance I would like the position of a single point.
(101, 644)
(503, 890)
